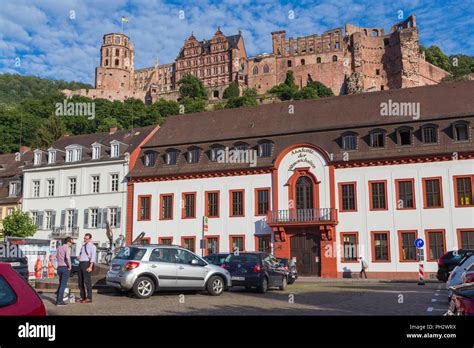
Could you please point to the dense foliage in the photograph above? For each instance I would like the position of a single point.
(18, 224)
(288, 90)
(459, 65)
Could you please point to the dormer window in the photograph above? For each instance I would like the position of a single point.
(404, 136)
(172, 157)
(349, 141)
(114, 149)
(51, 156)
(38, 157)
(96, 151)
(241, 146)
(214, 152)
(150, 159)
(429, 134)
(193, 155)
(14, 189)
(461, 131)
(265, 149)
(377, 138)
(73, 154)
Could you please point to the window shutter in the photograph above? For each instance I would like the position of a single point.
(119, 214)
(40, 220)
(104, 219)
(74, 218)
(86, 218)
(63, 218)
(53, 219)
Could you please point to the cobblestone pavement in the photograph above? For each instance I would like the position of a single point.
(305, 297)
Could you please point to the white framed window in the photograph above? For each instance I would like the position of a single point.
(51, 156)
(69, 156)
(37, 158)
(72, 186)
(96, 152)
(10, 211)
(95, 183)
(115, 150)
(114, 179)
(113, 217)
(34, 217)
(73, 154)
(48, 220)
(36, 188)
(50, 187)
(94, 217)
(70, 218)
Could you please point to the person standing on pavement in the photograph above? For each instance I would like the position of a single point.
(363, 266)
(63, 258)
(87, 259)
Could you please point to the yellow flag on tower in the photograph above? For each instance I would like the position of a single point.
(124, 19)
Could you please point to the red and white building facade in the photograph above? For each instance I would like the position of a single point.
(334, 180)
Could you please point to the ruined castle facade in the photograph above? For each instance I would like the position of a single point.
(354, 61)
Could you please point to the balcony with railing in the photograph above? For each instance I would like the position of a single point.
(321, 216)
(64, 231)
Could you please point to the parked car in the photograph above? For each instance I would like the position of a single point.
(144, 269)
(455, 278)
(216, 259)
(19, 264)
(449, 261)
(462, 300)
(290, 266)
(468, 275)
(17, 297)
(75, 265)
(257, 269)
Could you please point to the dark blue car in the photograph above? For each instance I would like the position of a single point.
(256, 270)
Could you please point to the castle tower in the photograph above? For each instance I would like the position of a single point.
(116, 63)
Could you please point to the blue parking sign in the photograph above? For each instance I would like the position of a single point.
(419, 243)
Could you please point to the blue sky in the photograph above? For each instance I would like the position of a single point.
(40, 37)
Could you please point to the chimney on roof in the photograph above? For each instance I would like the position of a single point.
(113, 130)
(24, 149)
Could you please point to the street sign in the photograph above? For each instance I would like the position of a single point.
(419, 243)
(205, 225)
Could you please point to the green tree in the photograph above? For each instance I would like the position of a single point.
(50, 131)
(306, 92)
(192, 87)
(248, 98)
(164, 108)
(435, 56)
(321, 89)
(232, 91)
(286, 90)
(193, 105)
(461, 67)
(18, 224)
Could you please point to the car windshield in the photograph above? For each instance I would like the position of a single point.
(130, 253)
(242, 258)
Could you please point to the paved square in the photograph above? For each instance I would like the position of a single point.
(305, 297)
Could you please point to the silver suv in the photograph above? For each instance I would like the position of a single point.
(145, 269)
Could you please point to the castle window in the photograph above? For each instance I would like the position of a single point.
(303, 62)
(106, 62)
(266, 69)
(106, 51)
(461, 131)
(255, 70)
(382, 87)
(377, 72)
(117, 52)
(334, 58)
(404, 136)
(289, 64)
(318, 60)
(386, 42)
(336, 45)
(349, 141)
(117, 62)
(377, 138)
(374, 33)
(216, 94)
(429, 134)
(125, 54)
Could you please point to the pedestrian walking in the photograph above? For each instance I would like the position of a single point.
(363, 268)
(87, 259)
(63, 258)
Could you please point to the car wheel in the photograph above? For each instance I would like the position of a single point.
(291, 281)
(215, 286)
(284, 282)
(143, 287)
(263, 287)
